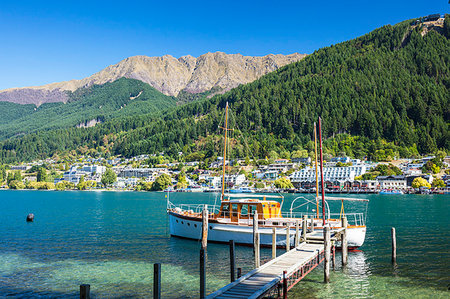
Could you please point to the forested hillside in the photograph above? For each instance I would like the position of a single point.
(388, 89)
(122, 97)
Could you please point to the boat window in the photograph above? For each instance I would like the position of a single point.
(234, 208)
(244, 210)
(226, 210)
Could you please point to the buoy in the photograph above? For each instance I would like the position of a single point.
(30, 217)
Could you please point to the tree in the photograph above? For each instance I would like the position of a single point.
(182, 182)
(15, 184)
(283, 183)
(438, 183)
(420, 182)
(162, 182)
(17, 175)
(41, 175)
(109, 177)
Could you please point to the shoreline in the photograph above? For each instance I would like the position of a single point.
(258, 192)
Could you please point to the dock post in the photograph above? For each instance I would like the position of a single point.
(256, 240)
(333, 249)
(394, 246)
(288, 238)
(297, 234)
(85, 291)
(344, 242)
(285, 286)
(202, 274)
(312, 224)
(327, 245)
(239, 272)
(205, 227)
(274, 242)
(232, 261)
(304, 227)
(157, 281)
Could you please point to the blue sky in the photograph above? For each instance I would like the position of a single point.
(51, 41)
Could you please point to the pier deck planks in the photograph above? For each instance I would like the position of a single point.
(255, 283)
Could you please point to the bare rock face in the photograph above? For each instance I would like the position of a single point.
(167, 74)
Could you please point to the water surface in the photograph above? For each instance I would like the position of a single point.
(110, 240)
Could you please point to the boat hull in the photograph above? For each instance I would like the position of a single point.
(191, 228)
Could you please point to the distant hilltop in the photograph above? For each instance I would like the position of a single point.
(211, 71)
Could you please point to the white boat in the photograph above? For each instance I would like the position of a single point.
(233, 219)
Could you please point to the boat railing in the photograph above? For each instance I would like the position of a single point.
(353, 218)
(193, 208)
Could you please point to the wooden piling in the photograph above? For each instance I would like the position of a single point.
(274, 242)
(157, 281)
(239, 272)
(304, 227)
(297, 233)
(288, 238)
(202, 274)
(85, 291)
(333, 250)
(344, 242)
(285, 286)
(394, 246)
(232, 261)
(256, 240)
(327, 246)
(312, 224)
(205, 227)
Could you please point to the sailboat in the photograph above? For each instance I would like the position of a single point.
(233, 218)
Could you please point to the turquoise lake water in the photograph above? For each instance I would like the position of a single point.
(110, 240)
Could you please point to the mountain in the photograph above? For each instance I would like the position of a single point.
(166, 74)
(381, 95)
(85, 107)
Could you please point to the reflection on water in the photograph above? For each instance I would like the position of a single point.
(111, 240)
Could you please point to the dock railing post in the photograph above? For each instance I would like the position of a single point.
(202, 274)
(394, 246)
(334, 256)
(85, 291)
(239, 272)
(205, 227)
(256, 240)
(304, 227)
(297, 233)
(327, 246)
(232, 261)
(157, 281)
(274, 242)
(312, 224)
(288, 238)
(344, 243)
(285, 285)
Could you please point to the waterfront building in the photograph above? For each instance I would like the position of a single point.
(234, 180)
(329, 173)
(392, 182)
(306, 160)
(20, 167)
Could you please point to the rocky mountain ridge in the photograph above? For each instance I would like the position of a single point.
(167, 74)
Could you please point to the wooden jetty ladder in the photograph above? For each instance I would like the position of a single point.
(287, 269)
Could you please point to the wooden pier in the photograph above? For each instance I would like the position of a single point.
(279, 275)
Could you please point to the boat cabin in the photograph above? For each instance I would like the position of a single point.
(245, 208)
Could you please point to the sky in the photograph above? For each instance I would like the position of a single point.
(50, 41)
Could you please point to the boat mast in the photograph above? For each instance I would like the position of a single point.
(224, 152)
(317, 179)
(321, 171)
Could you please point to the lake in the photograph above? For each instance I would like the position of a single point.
(110, 240)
